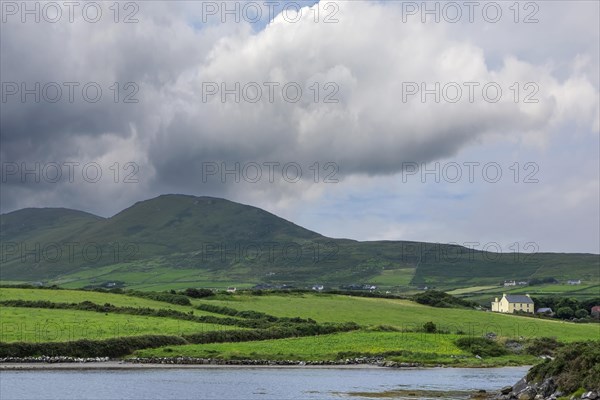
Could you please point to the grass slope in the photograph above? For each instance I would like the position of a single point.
(405, 314)
(326, 347)
(78, 296)
(432, 349)
(44, 224)
(46, 325)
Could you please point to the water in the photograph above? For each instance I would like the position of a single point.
(249, 383)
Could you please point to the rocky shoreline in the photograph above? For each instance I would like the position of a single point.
(546, 390)
(373, 361)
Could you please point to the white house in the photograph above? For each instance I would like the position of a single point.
(510, 303)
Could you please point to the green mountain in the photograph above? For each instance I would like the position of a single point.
(43, 224)
(180, 241)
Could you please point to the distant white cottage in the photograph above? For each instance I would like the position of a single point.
(574, 282)
(510, 303)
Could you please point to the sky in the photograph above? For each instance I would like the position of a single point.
(452, 122)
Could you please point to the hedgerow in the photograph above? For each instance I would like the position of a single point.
(143, 311)
(119, 347)
(115, 347)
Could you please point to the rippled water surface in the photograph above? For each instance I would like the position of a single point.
(253, 383)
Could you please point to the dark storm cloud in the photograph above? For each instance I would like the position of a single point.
(172, 132)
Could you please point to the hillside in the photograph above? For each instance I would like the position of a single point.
(178, 241)
(331, 326)
(44, 224)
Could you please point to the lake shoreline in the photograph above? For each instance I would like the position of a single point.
(103, 365)
(115, 364)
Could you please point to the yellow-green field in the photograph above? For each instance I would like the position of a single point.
(402, 347)
(325, 347)
(47, 325)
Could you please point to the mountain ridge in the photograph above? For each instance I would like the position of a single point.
(202, 240)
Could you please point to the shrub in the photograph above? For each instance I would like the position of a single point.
(198, 293)
(116, 347)
(480, 346)
(576, 365)
(252, 315)
(565, 313)
(384, 328)
(275, 332)
(429, 327)
(218, 309)
(542, 346)
(166, 297)
(435, 298)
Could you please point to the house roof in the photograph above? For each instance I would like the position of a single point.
(518, 298)
(596, 308)
(544, 309)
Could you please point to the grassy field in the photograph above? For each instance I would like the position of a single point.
(401, 347)
(325, 347)
(406, 345)
(474, 289)
(405, 314)
(394, 277)
(483, 294)
(146, 275)
(77, 296)
(560, 289)
(47, 325)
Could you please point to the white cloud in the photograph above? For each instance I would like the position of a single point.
(370, 132)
